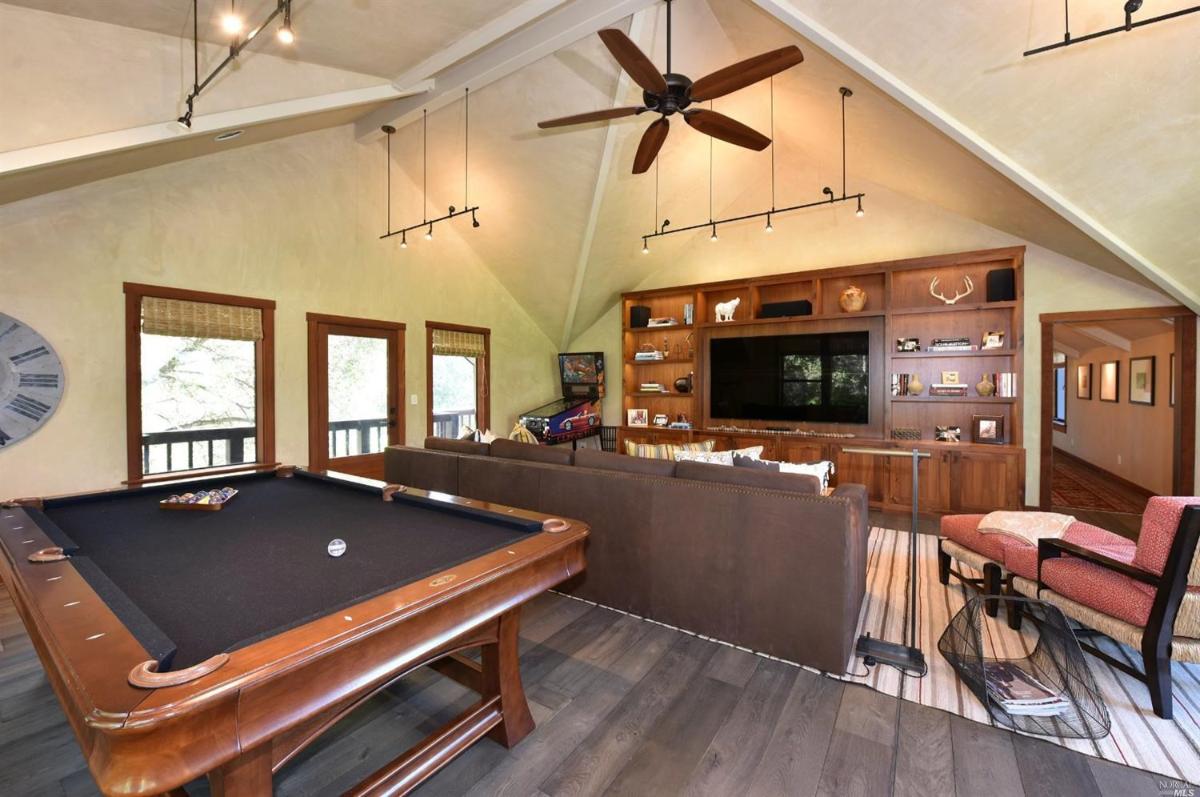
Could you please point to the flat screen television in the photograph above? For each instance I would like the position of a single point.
(814, 378)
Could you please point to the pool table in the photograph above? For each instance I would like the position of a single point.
(185, 643)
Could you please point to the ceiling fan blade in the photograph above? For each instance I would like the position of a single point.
(634, 61)
(651, 143)
(744, 73)
(590, 116)
(718, 125)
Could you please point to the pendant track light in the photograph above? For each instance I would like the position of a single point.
(453, 212)
(831, 198)
(231, 23)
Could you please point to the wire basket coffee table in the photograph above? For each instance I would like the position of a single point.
(1057, 665)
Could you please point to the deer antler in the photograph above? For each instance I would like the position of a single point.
(933, 291)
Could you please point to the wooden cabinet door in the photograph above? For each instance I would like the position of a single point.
(864, 469)
(801, 451)
(934, 475)
(982, 481)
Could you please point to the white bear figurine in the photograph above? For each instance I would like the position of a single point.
(725, 309)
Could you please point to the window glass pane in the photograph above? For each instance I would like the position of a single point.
(454, 394)
(848, 379)
(358, 395)
(1060, 394)
(197, 403)
(799, 394)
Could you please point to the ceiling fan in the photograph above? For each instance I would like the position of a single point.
(670, 93)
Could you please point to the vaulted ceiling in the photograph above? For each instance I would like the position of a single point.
(1095, 148)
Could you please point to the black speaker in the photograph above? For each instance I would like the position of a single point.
(785, 309)
(639, 315)
(1002, 285)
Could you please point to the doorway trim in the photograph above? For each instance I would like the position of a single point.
(316, 437)
(1183, 468)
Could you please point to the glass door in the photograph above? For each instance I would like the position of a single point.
(355, 394)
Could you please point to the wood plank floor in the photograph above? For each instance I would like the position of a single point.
(623, 707)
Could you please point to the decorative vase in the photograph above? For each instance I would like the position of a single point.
(915, 386)
(986, 386)
(853, 299)
(684, 384)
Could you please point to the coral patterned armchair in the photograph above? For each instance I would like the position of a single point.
(1146, 595)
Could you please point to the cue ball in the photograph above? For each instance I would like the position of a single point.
(336, 548)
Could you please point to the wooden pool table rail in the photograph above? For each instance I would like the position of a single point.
(274, 697)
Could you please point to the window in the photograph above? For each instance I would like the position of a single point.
(1060, 395)
(459, 380)
(199, 381)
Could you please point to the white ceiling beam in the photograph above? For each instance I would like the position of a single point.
(636, 28)
(477, 40)
(561, 27)
(787, 13)
(1105, 337)
(1060, 347)
(60, 152)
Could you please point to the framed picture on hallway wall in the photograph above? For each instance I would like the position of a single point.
(1110, 381)
(1141, 380)
(1083, 381)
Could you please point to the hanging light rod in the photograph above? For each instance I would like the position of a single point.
(712, 224)
(285, 35)
(452, 211)
(1131, 7)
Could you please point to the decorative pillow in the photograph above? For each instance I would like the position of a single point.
(466, 433)
(822, 469)
(522, 435)
(488, 436)
(665, 450)
(718, 457)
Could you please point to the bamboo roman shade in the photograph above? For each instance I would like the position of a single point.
(456, 343)
(184, 319)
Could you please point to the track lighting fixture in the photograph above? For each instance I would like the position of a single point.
(452, 211)
(830, 196)
(1130, 8)
(233, 24)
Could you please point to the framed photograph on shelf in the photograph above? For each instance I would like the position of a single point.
(1083, 381)
(1141, 380)
(988, 429)
(993, 340)
(947, 434)
(908, 344)
(1110, 381)
(637, 417)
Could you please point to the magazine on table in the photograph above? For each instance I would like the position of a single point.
(1019, 692)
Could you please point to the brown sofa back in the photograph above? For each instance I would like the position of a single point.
(781, 572)
(457, 446)
(511, 449)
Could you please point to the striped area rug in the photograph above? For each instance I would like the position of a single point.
(1138, 738)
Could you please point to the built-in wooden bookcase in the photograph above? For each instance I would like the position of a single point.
(961, 476)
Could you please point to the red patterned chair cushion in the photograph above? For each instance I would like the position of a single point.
(1159, 523)
(964, 530)
(1022, 559)
(1103, 590)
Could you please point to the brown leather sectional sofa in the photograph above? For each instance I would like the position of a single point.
(753, 558)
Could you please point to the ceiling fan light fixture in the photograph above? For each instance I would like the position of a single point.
(231, 21)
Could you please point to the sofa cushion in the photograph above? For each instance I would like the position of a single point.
(964, 530)
(510, 449)
(718, 457)
(1021, 558)
(748, 477)
(457, 446)
(426, 468)
(607, 460)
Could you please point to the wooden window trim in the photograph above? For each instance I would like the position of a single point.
(264, 390)
(483, 376)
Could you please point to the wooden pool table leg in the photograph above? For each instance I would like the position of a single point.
(502, 676)
(248, 775)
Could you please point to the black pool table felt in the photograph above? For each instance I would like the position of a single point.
(217, 581)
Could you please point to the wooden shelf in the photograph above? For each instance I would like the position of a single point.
(951, 308)
(746, 322)
(671, 361)
(649, 394)
(917, 355)
(657, 329)
(955, 399)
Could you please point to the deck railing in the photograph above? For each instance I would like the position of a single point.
(449, 423)
(361, 436)
(189, 449)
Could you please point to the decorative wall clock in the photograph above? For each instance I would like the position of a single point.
(31, 380)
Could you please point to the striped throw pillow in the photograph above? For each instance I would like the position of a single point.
(665, 450)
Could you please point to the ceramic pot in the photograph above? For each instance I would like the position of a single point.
(986, 386)
(915, 386)
(684, 384)
(853, 299)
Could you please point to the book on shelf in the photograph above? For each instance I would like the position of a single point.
(648, 356)
(1005, 382)
(652, 387)
(899, 384)
(689, 312)
(1019, 692)
(662, 322)
(941, 389)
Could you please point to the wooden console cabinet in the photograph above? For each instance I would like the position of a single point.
(957, 477)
